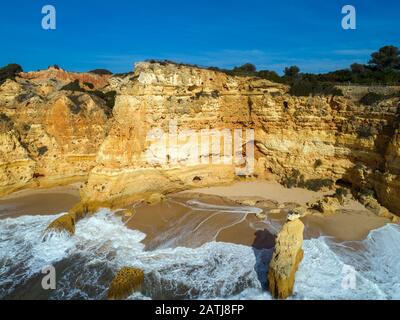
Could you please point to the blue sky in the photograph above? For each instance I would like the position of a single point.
(271, 34)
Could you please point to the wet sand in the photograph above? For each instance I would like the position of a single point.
(346, 226)
(176, 222)
(261, 190)
(218, 216)
(352, 223)
(39, 202)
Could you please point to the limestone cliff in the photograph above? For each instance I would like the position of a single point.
(53, 136)
(48, 136)
(329, 138)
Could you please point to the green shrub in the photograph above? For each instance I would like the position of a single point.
(270, 75)
(366, 192)
(305, 88)
(371, 98)
(294, 179)
(9, 72)
(317, 184)
(341, 193)
(101, 72)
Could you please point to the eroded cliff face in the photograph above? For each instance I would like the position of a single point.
(146, 150)
(48, 136)
(52, 136)
(328, 138)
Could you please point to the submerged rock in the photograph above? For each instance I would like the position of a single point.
(127, 281)
(287, 256)
(64, 223)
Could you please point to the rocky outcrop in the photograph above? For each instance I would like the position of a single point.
(319, 139)
(65, 223)
(373, 205)
(48, 137)
(327, 205)
(127, 281)
(288, 254)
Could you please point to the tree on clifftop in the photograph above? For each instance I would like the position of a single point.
(387, 57)
(357, 68)
(292, 71)
(246, 68)
(9, 72)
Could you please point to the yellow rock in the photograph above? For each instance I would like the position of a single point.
(327, 205)
(127, 281)
(287, 256)
(155, 198)
(64, 223)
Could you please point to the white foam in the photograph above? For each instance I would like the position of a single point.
(376, 266)
(23, 251)
(201, 206)
(103, 244)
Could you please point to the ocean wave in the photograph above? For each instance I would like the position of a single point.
(86, 263)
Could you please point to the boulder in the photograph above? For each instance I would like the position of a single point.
(65, 223)
(373, 205)
(127, 281)
(286, 258)
(297, 213)
(327, 205)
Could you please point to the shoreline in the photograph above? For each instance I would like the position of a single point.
(39, 201)
(174, 218)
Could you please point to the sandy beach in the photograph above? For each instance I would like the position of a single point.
(194, 231)
(353, 222)
(218, 216)
(39, 201)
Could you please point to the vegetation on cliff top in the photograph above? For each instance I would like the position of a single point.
(9, 72)
(101, 72)
(108, 97)
(382, 69)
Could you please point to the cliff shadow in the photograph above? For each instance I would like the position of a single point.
(263, 247)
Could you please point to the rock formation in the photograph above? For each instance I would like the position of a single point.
(127, 281)
(52, 136)
(286, 258)
(48, 136)
(327, 205)
(355, 144)
(65, 223)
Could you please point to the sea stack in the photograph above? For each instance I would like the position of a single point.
(287, 256)
(127, 281)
